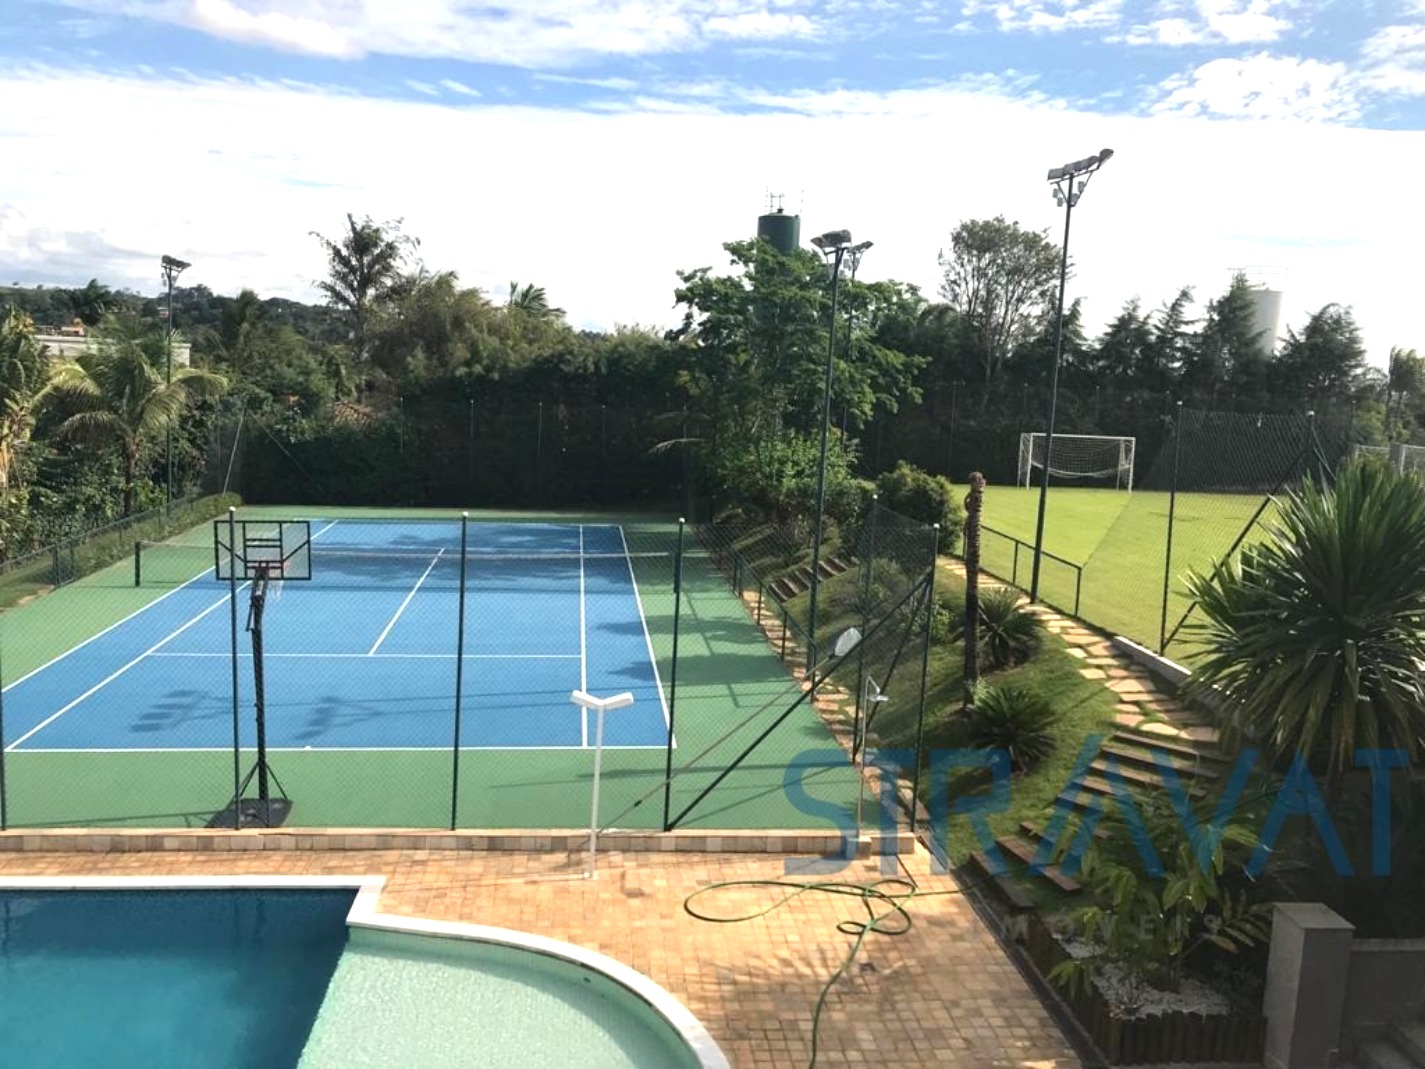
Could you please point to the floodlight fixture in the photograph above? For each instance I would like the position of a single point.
(1076, 176)
(172, 268)
(862, 247)
(834, 245)
(832, 240)
(847, 641)
(586, 702)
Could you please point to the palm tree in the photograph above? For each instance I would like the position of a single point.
(531, 300)
(24, 380)
(362, 267)
(1314, 638)
(116, 394)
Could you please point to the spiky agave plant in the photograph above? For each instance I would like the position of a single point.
(1313, 639)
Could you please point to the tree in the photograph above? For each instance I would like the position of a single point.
(1406, 375)
(1002, 279)
(531, 300)
(1312, 638)
(116, 395)
(1326, 359)
(92, 303)
(24, 380)
(1170, 348)
(362, 268)
(1229, 353)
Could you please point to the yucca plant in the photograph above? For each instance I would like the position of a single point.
(1012, 719)
(1313, 639)
(1009, 633)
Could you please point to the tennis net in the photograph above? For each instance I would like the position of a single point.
(167, 564)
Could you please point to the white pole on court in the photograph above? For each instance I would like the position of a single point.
(600, 706)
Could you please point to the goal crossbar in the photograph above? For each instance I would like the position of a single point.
(1078, 456)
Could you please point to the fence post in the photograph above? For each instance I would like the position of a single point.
(673, 673)
(866, 582)
(1078, 587)
(924, 677)
(233, 627)
(459, 674)
(1172, 510)
(138, 564)
(4, 801)
(55, 578)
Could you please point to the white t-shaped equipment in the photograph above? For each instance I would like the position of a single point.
(599, 706)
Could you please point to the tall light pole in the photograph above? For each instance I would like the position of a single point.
(172, 268)
(834, 245)
(1069, 182)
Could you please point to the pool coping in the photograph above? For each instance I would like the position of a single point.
(365, 914)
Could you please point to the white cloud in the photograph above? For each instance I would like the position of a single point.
(315, 36)
(1262, 87)
(1047, 16)
(1395, 57)
(1215, 21)
(423, 87)
(760, 25)
(458, 87)
(530, 33)
(259, 166)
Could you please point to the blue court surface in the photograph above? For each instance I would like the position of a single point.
(363, 656)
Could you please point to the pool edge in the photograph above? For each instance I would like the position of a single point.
(365, 914)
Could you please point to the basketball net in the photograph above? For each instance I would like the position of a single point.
(274, 582)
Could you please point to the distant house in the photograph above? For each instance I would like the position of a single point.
(71, 341)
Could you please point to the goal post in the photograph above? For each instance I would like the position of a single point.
(1078, 456)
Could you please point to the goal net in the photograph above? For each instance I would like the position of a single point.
(1078, 456)
(1398, 456)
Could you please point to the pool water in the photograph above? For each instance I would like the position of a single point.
(423, 1001)
(157, 979)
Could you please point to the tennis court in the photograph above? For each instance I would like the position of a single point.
(361, 656)
(119, 691)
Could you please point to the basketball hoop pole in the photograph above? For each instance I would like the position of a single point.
(259, 689)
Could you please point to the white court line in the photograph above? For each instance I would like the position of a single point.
(390, 656)
(434, 560)
(583, 647)
(115, 675)
(338, 749)
(101, 634)
(642, 619)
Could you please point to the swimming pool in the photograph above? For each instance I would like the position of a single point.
(257, 973)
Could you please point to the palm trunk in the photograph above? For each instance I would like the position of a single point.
(974, 502)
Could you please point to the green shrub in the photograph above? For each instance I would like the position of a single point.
(924, 497)
(1014, 719)
(1009, 633)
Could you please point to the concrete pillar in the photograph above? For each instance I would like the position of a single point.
(1305, 996)
(1397, 456)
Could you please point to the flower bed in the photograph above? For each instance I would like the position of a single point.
(1158, 1029)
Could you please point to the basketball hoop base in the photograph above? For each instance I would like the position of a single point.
(254, 813)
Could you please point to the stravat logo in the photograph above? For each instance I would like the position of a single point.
(1298, 795)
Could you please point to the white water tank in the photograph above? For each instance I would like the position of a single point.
(1266, 288)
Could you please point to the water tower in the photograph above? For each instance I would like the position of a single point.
(1266, 285)
(783, 231)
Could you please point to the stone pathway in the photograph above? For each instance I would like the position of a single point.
(944, 996)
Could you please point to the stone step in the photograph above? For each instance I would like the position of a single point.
(1025, 852)
(1181, 751)
(1150, 757)
(1005, 885)
(1140, 777)
(1036, 834)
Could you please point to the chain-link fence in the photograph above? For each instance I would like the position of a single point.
(1120, 559)
(799, 744)
(364, 668)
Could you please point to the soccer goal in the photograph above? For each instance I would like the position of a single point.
(1078, 456)
(1399, 456)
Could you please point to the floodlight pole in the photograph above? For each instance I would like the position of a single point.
(1072, 174)
(834, 245)
(172, 268)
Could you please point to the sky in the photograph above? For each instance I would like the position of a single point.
(595, 147)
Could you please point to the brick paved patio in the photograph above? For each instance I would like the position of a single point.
(942, 996)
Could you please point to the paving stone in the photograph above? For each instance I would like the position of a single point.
(753, 985)
(1093, 673)
(1075, 651)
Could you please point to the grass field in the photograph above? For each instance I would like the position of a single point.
(1119, 541)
